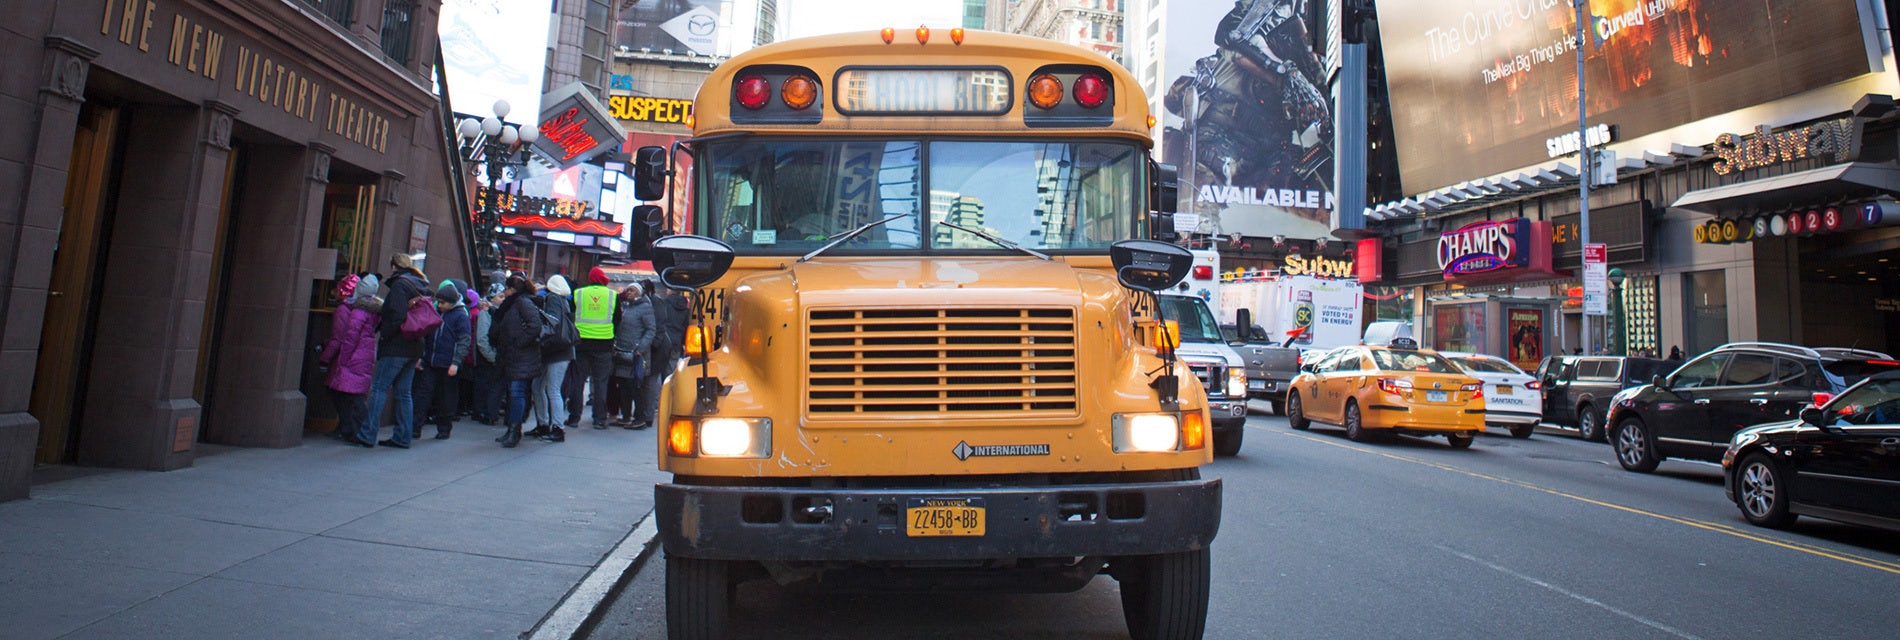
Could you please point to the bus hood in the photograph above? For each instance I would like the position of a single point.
(906, 282)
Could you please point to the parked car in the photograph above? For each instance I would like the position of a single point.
(1840, 461)
(1512, 399)
(1695, 411)
(1577, 389)
(1395, 389)
(1270, 365)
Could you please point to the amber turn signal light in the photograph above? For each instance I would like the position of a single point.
(799, 92)
(1168, 335)
(1193, 431)
(1045, 91)
(695, 341)
(1151, 121)
(679, 437)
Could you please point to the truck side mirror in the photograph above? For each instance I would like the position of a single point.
(650, 173)
(1243, 324)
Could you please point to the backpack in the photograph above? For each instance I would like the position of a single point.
(558, 332)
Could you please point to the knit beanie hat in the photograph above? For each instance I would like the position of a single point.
(597, 276)
(346, 286)
(447, 293)
(367, 287)
(557, 285)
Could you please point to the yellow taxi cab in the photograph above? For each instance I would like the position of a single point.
(1397, 388)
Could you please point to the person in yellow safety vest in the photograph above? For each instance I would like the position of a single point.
(595, 316)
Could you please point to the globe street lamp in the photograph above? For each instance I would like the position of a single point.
(497, 146)
(1619, 327)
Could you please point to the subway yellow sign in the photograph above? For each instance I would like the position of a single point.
(645, 109)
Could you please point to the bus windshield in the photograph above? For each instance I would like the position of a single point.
(772, 196)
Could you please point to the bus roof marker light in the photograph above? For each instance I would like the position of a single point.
(956, 35)
(798, 92)
(923, 34)
(1045, 91)
(1151, 121)
(1091, 90)
(752, 92)
(889, 34)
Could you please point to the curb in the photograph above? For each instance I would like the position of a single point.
(582, 605)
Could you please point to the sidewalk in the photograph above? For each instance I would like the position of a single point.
(454, 538)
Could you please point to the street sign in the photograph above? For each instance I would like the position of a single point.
(1596, 279)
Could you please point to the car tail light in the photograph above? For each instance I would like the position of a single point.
(799, 92)
(752, 92)
(1045, 91)
(1091, 90)
(1395, 386)
(1889, 363)
(1534, 385)
(1477, 390)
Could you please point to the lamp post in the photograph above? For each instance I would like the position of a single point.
(1619, 328)
(497, 146)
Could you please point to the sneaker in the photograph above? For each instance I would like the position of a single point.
(393, 443)
(538, 431)
(557, 435)
(636, 426)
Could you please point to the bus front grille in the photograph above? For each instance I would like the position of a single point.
(1009, 362)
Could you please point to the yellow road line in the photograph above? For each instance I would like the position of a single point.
(1863, 561)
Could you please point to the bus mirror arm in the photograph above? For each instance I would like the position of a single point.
(1167, 385)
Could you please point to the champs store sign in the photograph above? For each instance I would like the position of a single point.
(1495, 248)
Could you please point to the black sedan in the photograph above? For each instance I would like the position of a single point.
(1840, 461)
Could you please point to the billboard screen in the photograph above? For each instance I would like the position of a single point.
(487, 61)
(676, 26)
(1479, 87)
(1246, 119)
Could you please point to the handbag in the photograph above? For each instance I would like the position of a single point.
(627, 358)
(421, 319)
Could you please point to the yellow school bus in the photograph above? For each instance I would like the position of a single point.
(922, 352)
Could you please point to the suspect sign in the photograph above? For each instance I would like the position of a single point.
(645, 109)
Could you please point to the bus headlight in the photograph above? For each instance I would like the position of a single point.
(1236, 382)
(1147, 432)
(722, 438)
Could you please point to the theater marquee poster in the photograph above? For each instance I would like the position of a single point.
(1479, 87)
(1246, 118)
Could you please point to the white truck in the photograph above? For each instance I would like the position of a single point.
(1315, 313)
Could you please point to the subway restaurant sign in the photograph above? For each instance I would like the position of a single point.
(1318, 266)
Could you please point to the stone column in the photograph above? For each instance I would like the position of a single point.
(422, 48)
(366, 22)
(257, 398)
(32, 199)
(140, 411)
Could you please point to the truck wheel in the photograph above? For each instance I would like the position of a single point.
(1228, 444)
(1294, 416)
(1276, 407)
(1355, 430)
(1589, 427)
(1164, 597)
(698, 598)
(1522, 431)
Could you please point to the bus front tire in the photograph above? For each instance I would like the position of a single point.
(1164, 597)
(698, 598)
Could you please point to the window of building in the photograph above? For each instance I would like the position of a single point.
(1706, 295)
(397, 29)
(337, 11)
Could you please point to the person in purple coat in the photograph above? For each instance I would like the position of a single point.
(351, 354)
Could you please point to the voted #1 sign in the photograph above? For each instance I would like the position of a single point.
(1596, 279)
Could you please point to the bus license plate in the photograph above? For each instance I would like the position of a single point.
(932, 517)
(1437, 396)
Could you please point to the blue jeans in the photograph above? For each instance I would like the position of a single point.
(518, 401)
(549, 408)
(397, 372)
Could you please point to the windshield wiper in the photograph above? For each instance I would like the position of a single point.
(999, 241)
(846, 236)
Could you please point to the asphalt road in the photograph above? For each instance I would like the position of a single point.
(1324, 537)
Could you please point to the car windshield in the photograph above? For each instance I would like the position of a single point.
(1416, 361)
(1876, 402)
(783, 196)
(1196, 322)
(1487, 364)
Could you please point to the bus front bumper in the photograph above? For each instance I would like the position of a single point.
(806, 524)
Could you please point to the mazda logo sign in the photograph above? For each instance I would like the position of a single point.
(701, 25)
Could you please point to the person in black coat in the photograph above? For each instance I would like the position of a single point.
(670, 315)
(516, 335)
(396, 356)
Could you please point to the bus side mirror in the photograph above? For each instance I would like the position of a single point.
(1149, 266)
(687, 263)
(650, 174)
(1165, 192)
(649, 225)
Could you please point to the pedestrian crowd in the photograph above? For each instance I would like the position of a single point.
(547, 351)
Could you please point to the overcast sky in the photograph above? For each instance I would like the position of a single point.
(818, 17)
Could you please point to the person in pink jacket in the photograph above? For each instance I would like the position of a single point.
(351, 354)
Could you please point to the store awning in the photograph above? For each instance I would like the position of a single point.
(1794, 190)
